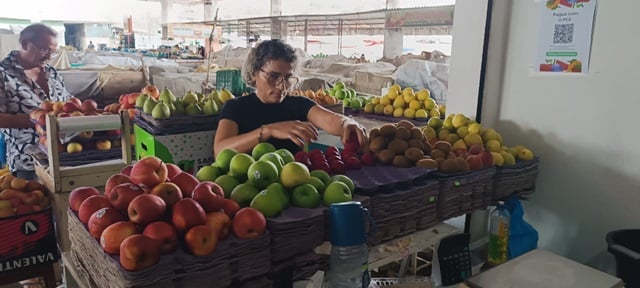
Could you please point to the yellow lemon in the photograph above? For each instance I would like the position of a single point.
(408, 97)
(392, 94)
(399, 103)
(434, 113)
(525, 155)
(369, 107)
(409, 113)
(378, 109)
(421, 114)
(385, 100)
(475, 128)
(497, 159)
(442, 109)
(415, 104)
(398, 112)
(375, 100)
(429, 104)
(494, 146)
(388, 110)
(423, 94)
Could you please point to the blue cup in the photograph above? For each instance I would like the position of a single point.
(347, 223)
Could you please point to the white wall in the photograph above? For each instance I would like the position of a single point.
(584, 128)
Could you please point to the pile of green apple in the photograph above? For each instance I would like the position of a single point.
(349, 96)
(167, 104)
(270, 180)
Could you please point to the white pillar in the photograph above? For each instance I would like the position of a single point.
(208, 10)
(392, 37)
(276, 8)
(165, 7)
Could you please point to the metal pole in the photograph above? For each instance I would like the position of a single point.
(306, 34)
(213, 29)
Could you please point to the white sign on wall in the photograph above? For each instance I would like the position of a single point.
(564, 39)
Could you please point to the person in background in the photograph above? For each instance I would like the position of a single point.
(269, 115)
(26, 80)
(91, 47)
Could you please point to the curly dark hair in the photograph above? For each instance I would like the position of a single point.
(266, 51)
(34, 31)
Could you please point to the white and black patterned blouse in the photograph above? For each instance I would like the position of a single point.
(20, 94)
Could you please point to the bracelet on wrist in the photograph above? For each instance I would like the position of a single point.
(260, 135)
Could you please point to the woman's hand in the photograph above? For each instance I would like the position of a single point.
(299, 132)
(354, 137)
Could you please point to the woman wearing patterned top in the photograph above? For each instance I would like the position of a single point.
(26, 80)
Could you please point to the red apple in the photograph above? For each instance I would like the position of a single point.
(352, 163)
(173, 170)
(102, 219)
(78, 195)
(164, 233)
(91, 205)
(123, 194)
(201, 240)
(149, 172)
(487, 159)
(47, 105)
(146, 208)
(230, 207)
(476, 149)
(138, 252)
(114, 181)
(75, 100)
(114, 234)
(88, 106)
(368, 159)
(127, 169)
(220, 223)
(352, 144)
(186, 182)
(168, 191)
(186, 214)
(209, 195)
(70, 107)
(475, 162)
(249, 223)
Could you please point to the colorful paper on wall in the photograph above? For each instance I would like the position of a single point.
(564, 40)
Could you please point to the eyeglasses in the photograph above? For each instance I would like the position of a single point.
(276, 79)
(45, 51)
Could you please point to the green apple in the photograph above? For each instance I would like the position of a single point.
(317, 183)
(322, 175)
(224, 159)
(208, 173)
(261, 149)
(228, 183)
(140, 100)
(149, 105)
(305, 196)
(274, 158)
(243, 194)
(345, 180)
(239, 165)
(161, 111)
(190, 98)
(262, 173)
(280, 190)
(268, 203)
(286, 155)
(336, 192)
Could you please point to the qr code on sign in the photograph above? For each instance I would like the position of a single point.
(563, 34)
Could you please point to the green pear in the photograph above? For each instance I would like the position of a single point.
(194, 109)
(210, 107)
(167, 96)
(190, 98)
(172, 108)
(180, 110)
(214, 94)
(161, 111)
(149, 104)
(140, 100)
(225, 95)
(201, 96)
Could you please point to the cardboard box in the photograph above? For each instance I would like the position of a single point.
(27, 240)
(371, 83)
(190, 151)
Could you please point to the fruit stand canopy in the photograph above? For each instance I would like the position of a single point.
(424, 20)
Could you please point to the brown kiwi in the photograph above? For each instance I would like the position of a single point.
(405, 123)
(443, 146)
(438, 154)
(452, 155)
(448, 166)
(462, 164)
(416, 143)
(413, 154)
(427, 148)
(401, 161)
(427, 163)
(388, 130)
(386, 156)
(377, 144)
(398, 146)
(416, 133)
(440, 161)
(373, 133)
(403, 133)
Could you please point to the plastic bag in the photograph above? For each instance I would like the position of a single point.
(522, 236)
(419, 74)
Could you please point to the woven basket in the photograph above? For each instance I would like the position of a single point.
(519, 179)
(482, 188)
(462, 193)
(233, 258)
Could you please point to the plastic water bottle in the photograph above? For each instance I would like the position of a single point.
(349, 251)
(499, 221)
(349, 267)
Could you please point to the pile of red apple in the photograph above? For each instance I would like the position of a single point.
(334, 161)
(152, 207)
(19, 196)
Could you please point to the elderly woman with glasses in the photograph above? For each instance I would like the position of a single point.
(26, 80)
(269, 115)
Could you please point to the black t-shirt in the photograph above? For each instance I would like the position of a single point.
(250, 113)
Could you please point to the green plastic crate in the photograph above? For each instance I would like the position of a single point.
(232, 80)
